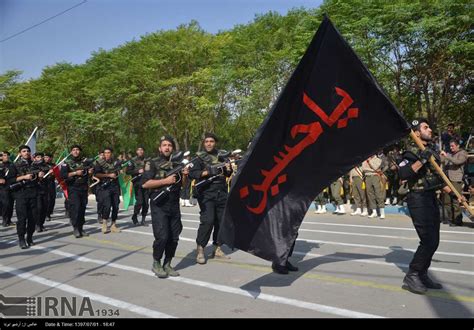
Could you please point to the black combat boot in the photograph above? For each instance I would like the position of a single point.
(76, 233)
(428, 282)
(412, 282)
(290, 267)
(279, 269)
(29, 240)
(143, 223)
(22, 243)
(39, 229)
(81, 230)
(134, 219)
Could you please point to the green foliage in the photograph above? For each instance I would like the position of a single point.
(185, 82)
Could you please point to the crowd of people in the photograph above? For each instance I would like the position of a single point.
(170, 180)
(375, 183)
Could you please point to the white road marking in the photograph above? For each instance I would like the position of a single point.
(83, 293)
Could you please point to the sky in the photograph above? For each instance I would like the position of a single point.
(94, 24)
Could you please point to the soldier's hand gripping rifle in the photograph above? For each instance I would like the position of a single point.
(118, 166)
(34, 171)
(217, 170)
(164, 191)
(138, 177)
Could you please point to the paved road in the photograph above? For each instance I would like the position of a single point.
(349, 267)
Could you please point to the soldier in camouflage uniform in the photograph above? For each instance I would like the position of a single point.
(136, 169)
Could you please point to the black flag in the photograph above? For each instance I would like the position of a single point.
(330, 116)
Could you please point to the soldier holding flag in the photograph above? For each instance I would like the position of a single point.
(423, 181)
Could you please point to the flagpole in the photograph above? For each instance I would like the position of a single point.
(62, 161)
(441, 173)
(34, 131)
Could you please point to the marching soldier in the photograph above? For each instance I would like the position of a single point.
(108, 190)
(26, 175)
(423, 182)
(75, 171)
(51, 186)
(136, 169)
(42, 196)
(100, 157)
(6, 199)
(165, 212)
(211, 198)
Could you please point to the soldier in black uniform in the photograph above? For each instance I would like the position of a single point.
(165, 213)
(136, 169)
(100, 157)
(6, 199)
(26, 176)
(51, 186)
(75, 171)
(42, 197)
(211, 198)
(108, 190)
(423, 182)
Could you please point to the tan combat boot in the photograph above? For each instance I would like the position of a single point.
(114, 228)
(105, 229)
(200, 259)
(218, 253)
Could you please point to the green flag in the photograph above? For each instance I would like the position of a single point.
(126, 187)
(62, 155)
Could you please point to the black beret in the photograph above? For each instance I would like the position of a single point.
(415, 123)
(210, 135)
(76, 146)
(168, 138)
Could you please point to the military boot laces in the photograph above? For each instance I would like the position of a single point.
(218, 253)
(429, 283)
(168, 269)
(413, 283)
(158, 270)
(200, 259)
